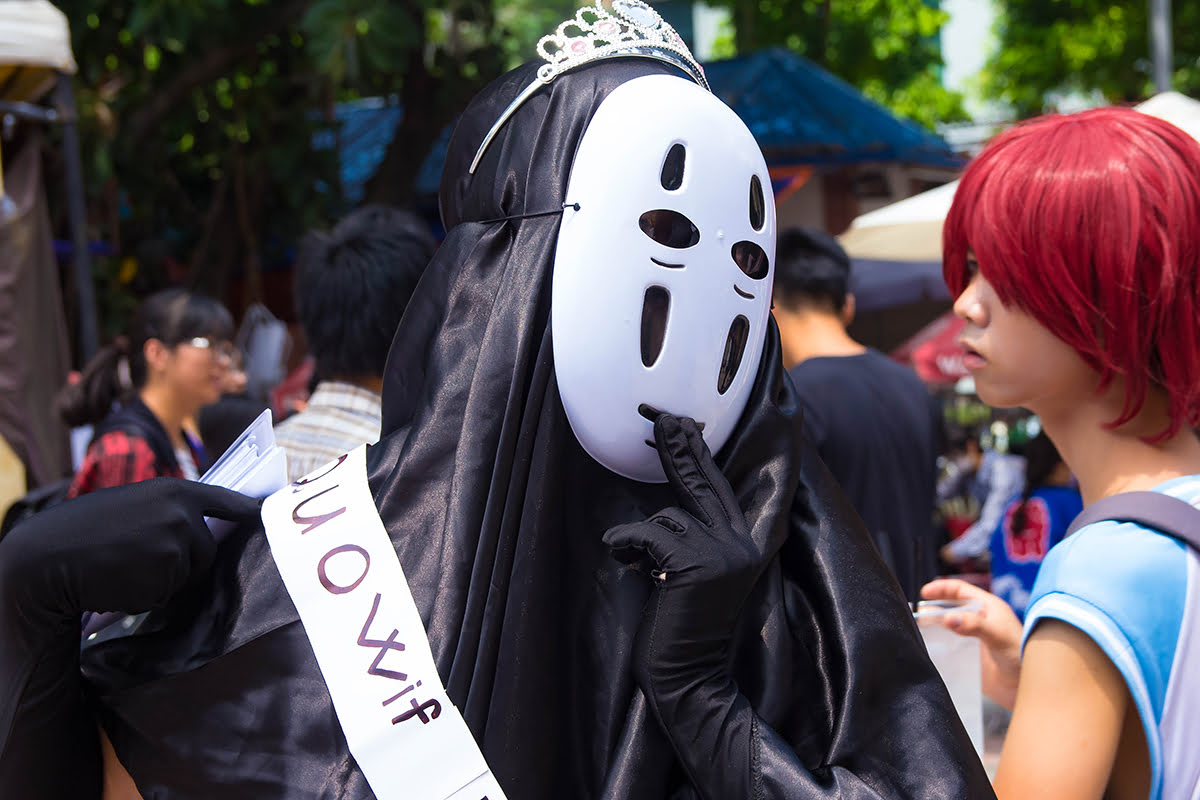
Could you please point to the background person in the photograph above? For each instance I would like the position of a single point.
(171, 363)
(221, 423)
(871, 419)
(1033, 523)
(352, 285)
(997, 480)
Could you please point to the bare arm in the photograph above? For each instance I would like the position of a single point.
(1071, 707)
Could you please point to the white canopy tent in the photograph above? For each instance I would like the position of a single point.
(35, 43)
(908, 230)
(911, 229)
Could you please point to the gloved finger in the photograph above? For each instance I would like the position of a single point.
(702, 489)
(660, 536)
(217, 501)
(202, 551)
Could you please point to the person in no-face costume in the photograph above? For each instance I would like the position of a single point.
(748, 642)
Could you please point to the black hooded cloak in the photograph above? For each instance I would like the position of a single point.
(496, 514)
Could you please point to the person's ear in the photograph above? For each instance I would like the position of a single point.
(848, 309)
(156, 354)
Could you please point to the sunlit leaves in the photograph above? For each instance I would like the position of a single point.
(1049, 48)
(350, 38)
(887, 48)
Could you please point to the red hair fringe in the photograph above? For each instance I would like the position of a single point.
(1090, 223)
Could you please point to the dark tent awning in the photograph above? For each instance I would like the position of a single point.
(801, 114)
(798, 113)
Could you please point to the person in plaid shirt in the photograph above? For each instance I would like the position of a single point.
(352, 285)
(172, 363)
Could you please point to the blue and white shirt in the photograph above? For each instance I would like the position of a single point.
(1136, 593)
(1018, 554)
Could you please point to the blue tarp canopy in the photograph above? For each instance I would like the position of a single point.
(798, 113)
(801, 114)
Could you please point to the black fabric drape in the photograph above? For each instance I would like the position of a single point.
(497, 515)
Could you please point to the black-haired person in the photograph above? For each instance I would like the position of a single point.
(871, 420)
(352, 285)
(171, 363)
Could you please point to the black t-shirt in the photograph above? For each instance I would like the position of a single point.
(878, 430)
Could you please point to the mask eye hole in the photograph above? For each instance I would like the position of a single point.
(751, 259)
(656, 309)
(758, 205)
(669, 228)
(735, 346)
(672, 169)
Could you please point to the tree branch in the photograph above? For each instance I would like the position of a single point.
(210, 66)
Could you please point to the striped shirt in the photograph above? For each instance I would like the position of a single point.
(339, 417)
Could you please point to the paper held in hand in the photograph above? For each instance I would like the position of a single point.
(254, 466)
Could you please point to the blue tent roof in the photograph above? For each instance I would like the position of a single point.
(365, 129)
(798, 113)
(801, 114)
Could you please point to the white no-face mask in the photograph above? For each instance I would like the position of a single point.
(662, 277)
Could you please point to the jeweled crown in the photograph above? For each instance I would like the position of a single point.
(632, 28)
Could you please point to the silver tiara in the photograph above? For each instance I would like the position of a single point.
(632, 28)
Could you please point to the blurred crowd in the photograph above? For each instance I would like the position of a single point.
(168, 396)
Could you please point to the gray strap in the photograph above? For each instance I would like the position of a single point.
(1164, 513)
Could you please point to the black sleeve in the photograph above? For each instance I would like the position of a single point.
(86, 555)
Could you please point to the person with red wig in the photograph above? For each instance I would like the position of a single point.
(1073, 249)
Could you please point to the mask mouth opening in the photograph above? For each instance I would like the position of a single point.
(735, 348)
(656, 310)
(651, 413)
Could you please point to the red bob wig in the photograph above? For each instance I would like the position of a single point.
(1090, 223)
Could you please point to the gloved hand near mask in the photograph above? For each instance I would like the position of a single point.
(707, 564)
(127, 549)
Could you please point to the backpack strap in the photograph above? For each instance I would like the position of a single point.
(1164, 513)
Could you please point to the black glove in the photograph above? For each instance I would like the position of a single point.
(707, 566)
(127, 549)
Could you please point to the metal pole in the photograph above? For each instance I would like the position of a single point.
(89, 336)
(1161, 47)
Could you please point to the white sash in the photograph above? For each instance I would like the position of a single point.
(342, 573)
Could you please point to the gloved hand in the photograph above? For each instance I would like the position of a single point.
(707, 566)
(706, 560)
(127, 549)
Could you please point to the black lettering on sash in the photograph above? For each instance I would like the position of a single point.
(384, 645)
(303, 481)
(317, 521)
(418, 711)
(332, 587)
(400, 693)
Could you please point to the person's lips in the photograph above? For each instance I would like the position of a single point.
(972, 358)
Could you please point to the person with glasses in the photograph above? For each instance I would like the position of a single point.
(140, 389)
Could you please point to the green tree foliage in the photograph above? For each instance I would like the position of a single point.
(198, 116)
(1049, 48)
(888, 49)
